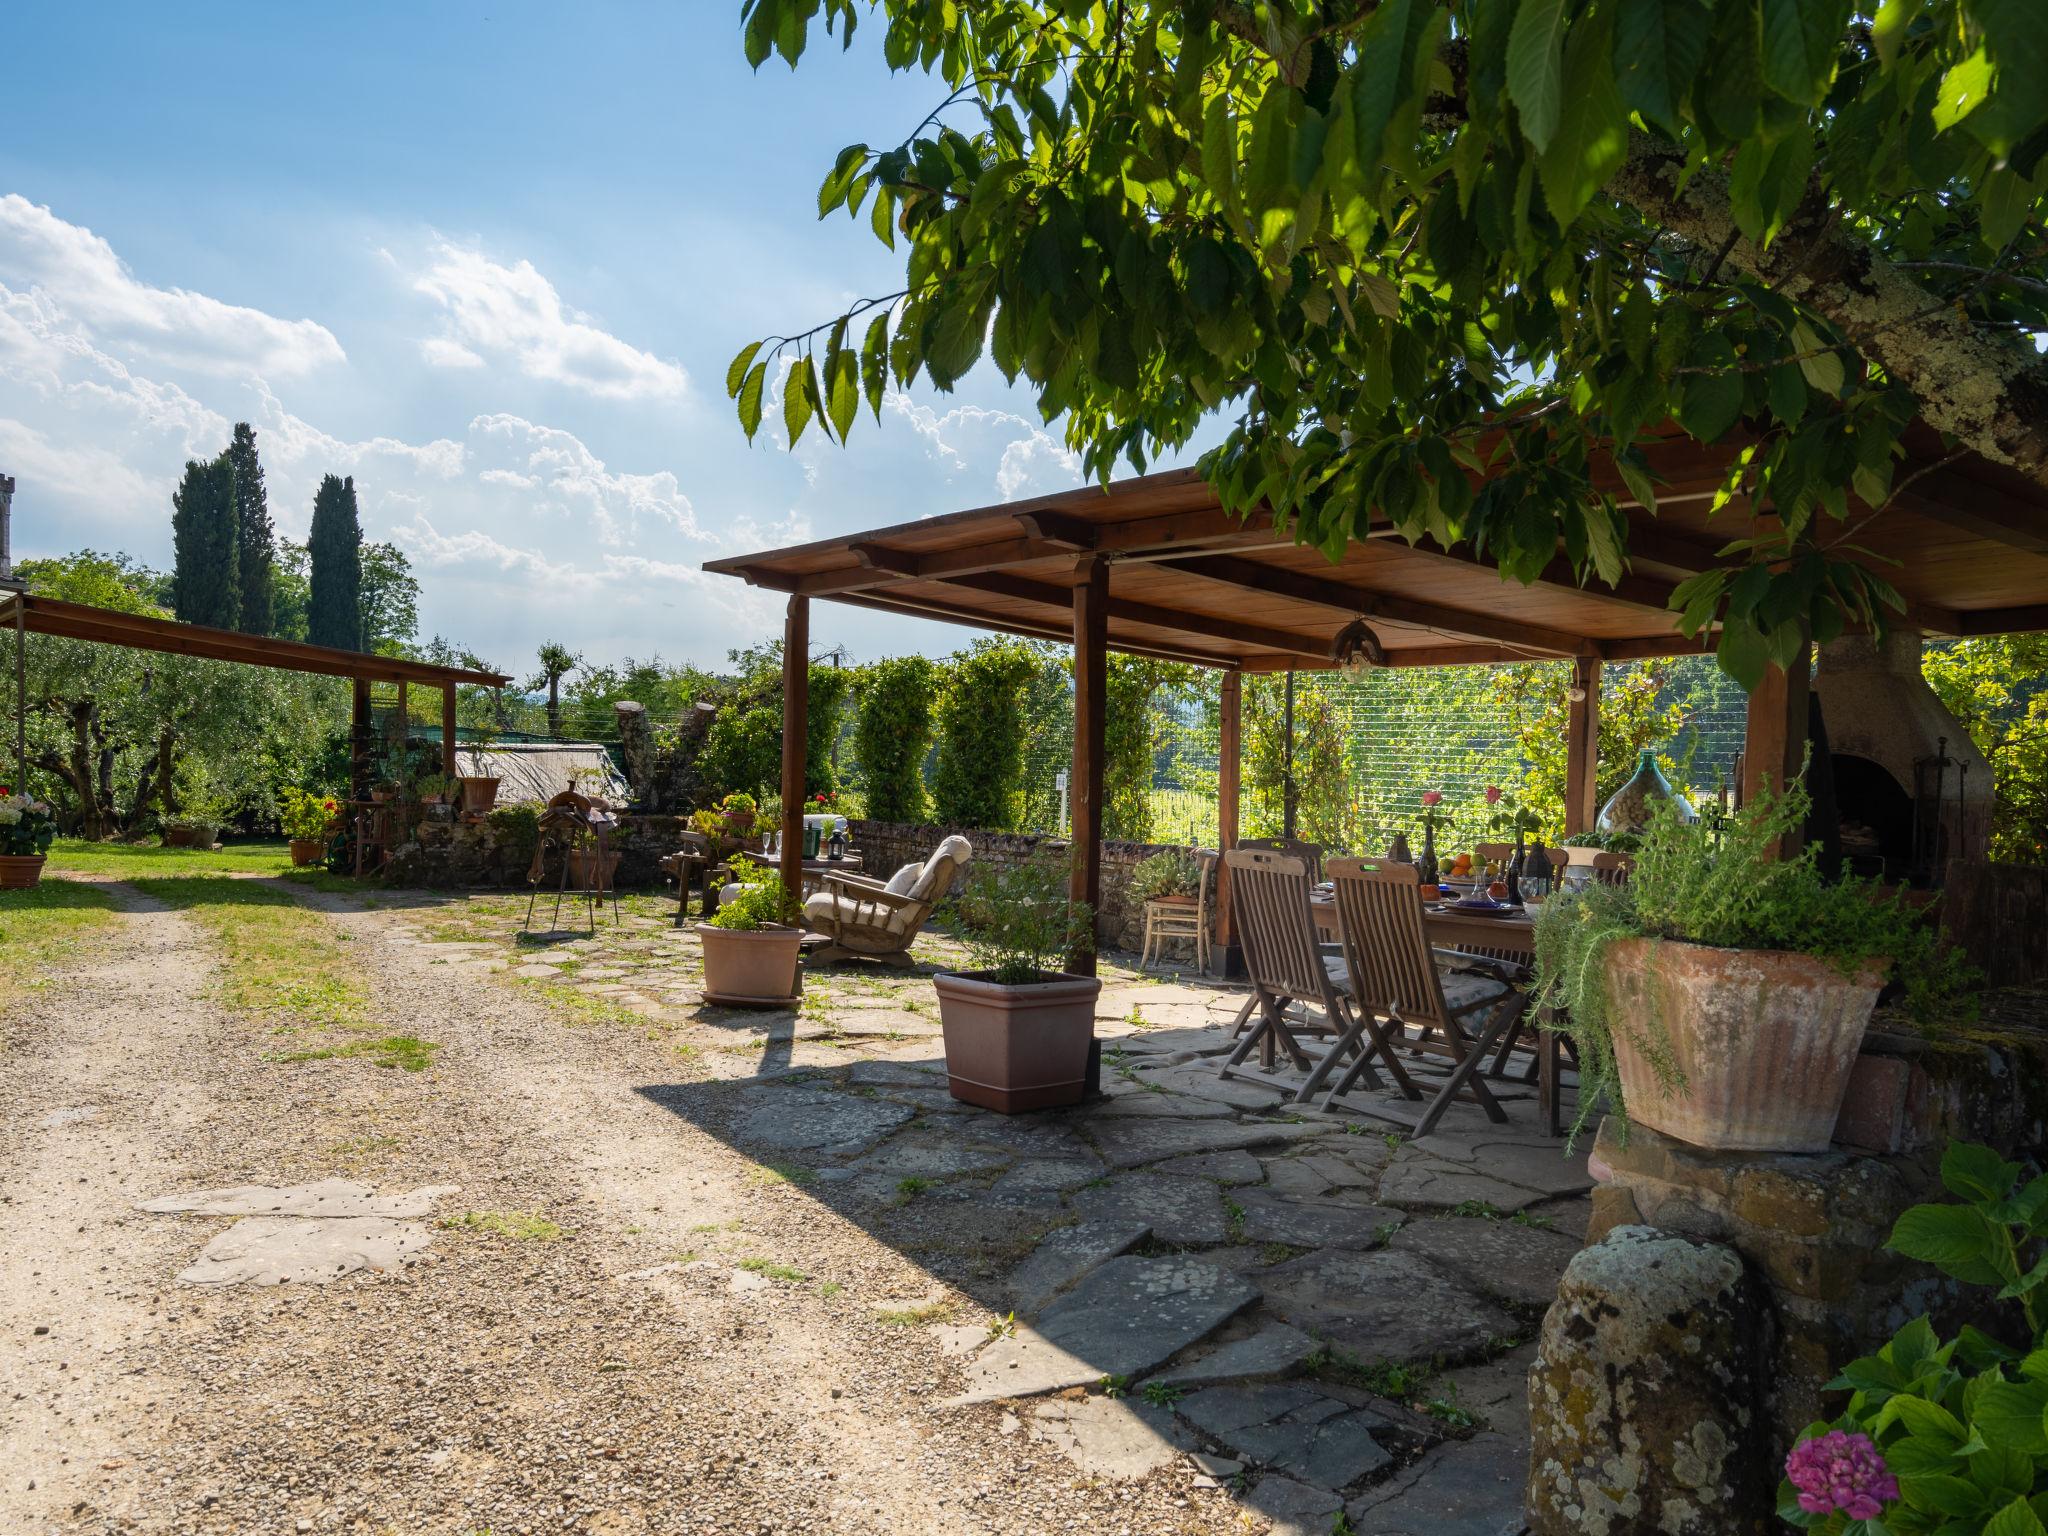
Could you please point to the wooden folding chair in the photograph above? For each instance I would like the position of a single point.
(1269, 895)
(1394, 972)
(1310, 854)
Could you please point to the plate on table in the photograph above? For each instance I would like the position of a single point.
(1483, 906)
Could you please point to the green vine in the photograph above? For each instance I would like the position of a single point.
(893, 732)
(981, 736)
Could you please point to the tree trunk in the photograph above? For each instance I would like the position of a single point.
(554, 707)
(1988, 392)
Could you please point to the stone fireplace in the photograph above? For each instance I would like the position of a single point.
(1904, 814)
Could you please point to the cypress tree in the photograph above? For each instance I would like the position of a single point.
(256, 548)
(205, 586)
(335, 541)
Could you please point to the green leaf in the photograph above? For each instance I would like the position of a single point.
(1379, 80)
(1787, 394)
(1963, 90)
(799, 399)
(1536, 68)
(1800, 41)
(874, 361)
(750, 399)
(1943, 1493)
(1658, 45)
(1741, 653)
(1976, 1172)
(1951, 1237)
(1822, 368)
(1709, 403)
(2016, 1519)
(1889, 29)
(736, 374)
(842, 389)
(2009, 1414)
(1591, 138)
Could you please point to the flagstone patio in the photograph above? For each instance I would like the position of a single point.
(1326, 1315)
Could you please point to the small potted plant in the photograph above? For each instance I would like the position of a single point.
(479, 792)
(1721, 995)
(26, 831)
(305, 818)
(739, 810)
(1169, 876)
(1018, 1027)
(750, 947)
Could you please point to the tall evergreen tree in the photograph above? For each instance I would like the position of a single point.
(256, 547)
(333, 610)
(205, 586)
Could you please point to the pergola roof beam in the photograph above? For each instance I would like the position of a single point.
(1308, 647)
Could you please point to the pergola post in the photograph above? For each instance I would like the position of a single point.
(1229, 779)
(796, 717)
(1582, 747)
(1091, 681)
(448, 730)
(20, 690)
(358, 738)
(1774, 745)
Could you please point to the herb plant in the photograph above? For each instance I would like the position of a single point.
(762, 901)
(1017, 921)
(1730, 892)
(1172, 873)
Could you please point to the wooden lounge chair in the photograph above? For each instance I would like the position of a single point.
(865, 919)
(1394, 973)
(1269, 894)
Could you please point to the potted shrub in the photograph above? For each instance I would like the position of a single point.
(1170, 876)
(1017, 1027)
(305, 819)
(1722, 994)
(26, 831)
(750, 947)
(739, 811)
(190, 829)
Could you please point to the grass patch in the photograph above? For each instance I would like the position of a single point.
(151, 862)
(829, 1288)
(779, 1173)
(911, 1317)
(279, 960)
(773, 1270)
(911, 1188)
(40, 927)
(520, 1226)
(407, 1052)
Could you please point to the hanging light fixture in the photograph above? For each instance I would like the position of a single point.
(1357, 649)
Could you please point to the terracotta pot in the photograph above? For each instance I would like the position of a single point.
(307, 850)
(1012, 1049)
(757, 966)
(1763, 1040)
(583, 869)
(479, 794)
(180, 837)
(21, 871)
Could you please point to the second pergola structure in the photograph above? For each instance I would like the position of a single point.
(1155, 566)
(27, 613)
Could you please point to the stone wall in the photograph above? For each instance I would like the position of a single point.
(886, 846)
(1813, 1228)
(498, 850)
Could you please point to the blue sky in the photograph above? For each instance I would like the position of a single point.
(492, 260)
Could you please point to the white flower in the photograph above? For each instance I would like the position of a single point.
(9, 816)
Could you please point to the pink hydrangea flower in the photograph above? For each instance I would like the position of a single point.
(1838, 1471)
(1493, 794)
(1432, 797)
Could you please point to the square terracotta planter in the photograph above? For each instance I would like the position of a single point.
(1017, 1048)
(307, 850)
(750, 967)
(1763, 1040)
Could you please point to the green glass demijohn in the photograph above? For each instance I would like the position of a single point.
(1628, 809)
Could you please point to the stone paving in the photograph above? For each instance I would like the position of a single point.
(1326, 1316)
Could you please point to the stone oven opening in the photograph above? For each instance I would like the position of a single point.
(1911, 791)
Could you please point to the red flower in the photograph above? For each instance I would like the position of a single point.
(1493, 794)
(1432, 797)
(819, 798)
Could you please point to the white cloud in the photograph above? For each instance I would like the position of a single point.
(80, 272)
(1029, 460)
(575, 480)
(292, 442)
(509, 477)
(84, 474)
(515, 314)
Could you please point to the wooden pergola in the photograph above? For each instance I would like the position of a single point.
(1155, 566)
(30, 614)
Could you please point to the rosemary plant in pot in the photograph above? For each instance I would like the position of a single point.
(750, 947)
(1722, 994)
(1017, 1026)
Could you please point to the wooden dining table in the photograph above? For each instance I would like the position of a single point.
(1510, 939)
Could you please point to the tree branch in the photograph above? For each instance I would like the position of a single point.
(1979, 386)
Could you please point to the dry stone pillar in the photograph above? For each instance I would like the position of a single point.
(636, 742)
(1645, 1401)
